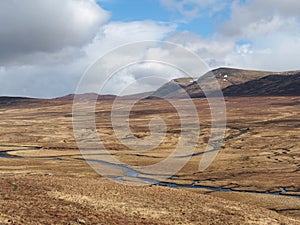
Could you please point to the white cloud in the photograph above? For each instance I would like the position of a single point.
(33, 27)
(142, 77)
(115, 34)
(256, 17)
(271, 30)
(214, 47)
(47, 45)
(41, 81)
(43, 74)
(258, 35)
(275, 52)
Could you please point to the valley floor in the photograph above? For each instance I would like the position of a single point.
(43, 179)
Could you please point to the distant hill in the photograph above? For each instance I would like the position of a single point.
(135, 96)
(92, 96)
(234, 82)
(12, 101)
(86, 96)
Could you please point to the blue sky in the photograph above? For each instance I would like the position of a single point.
(135, 10)
(48, 45)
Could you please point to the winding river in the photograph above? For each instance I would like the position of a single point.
(132, 173)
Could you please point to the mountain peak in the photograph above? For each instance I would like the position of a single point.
(234, 82)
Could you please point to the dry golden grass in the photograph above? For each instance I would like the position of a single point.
(264, 157)
(39, 199)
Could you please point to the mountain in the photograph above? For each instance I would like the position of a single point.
(234, 82)
(273, 85)
(175, 88)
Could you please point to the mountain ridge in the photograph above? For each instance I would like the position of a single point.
(227, 79)
(232, 81)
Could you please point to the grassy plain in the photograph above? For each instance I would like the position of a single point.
(44, 180)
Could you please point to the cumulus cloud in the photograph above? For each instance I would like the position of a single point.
(47, 45)
(42, 81)
(270, 30)
(43, 74)
(33, 27)
(255, 17)
(116, 34)
(141, 77)
(209, 48)
(275, 52)
(258, 35)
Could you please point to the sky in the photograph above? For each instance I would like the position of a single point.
(46, 46)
